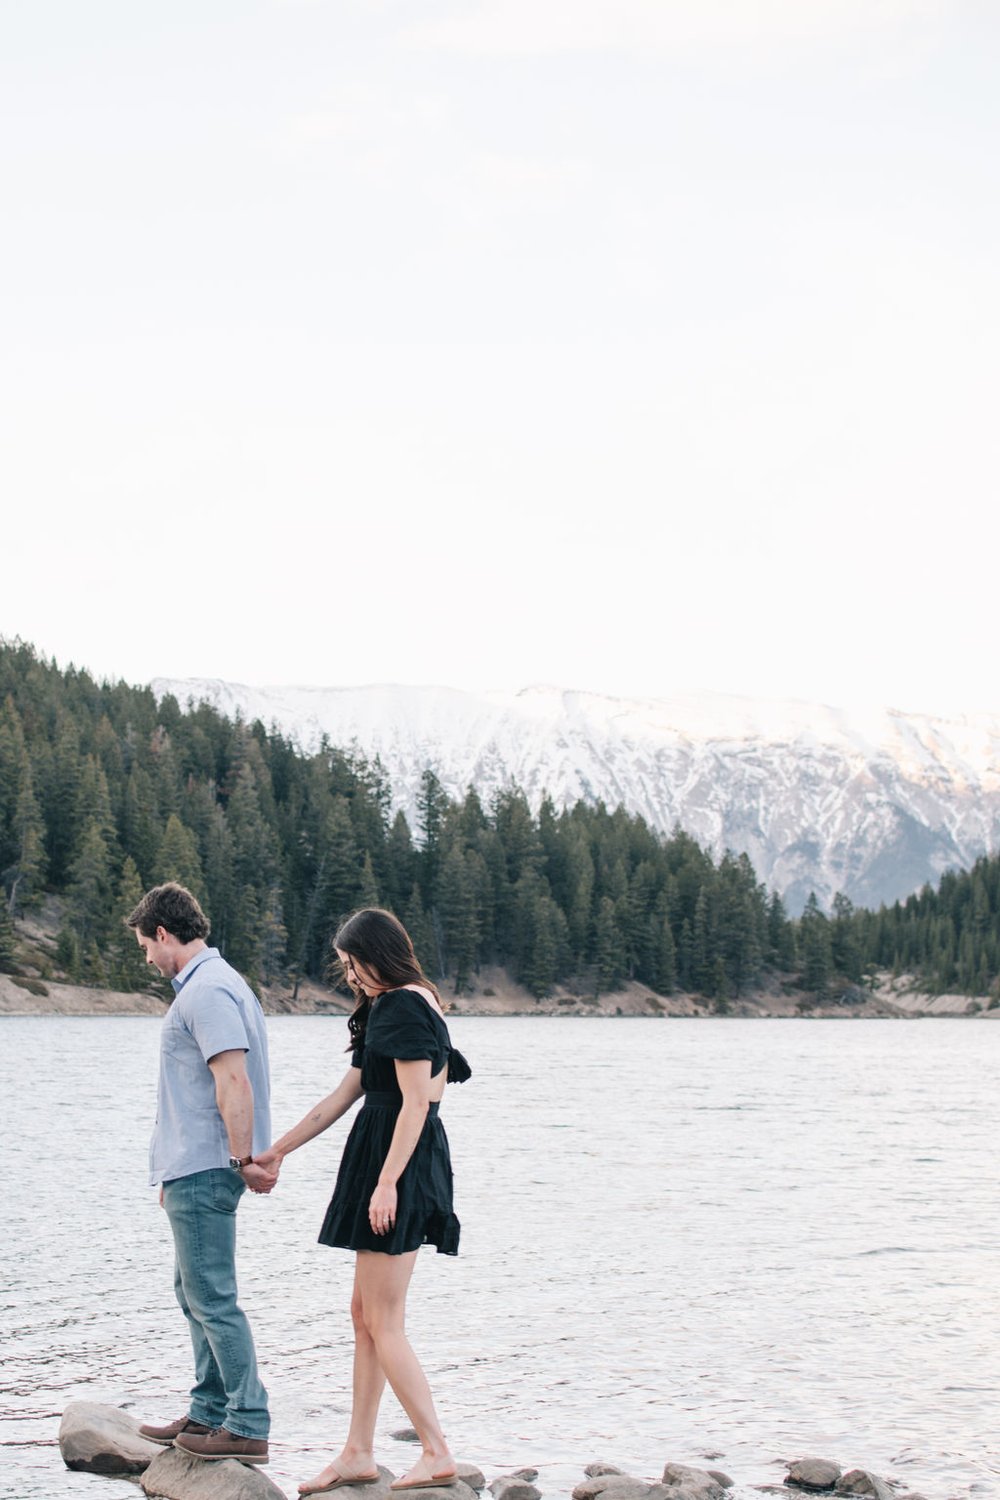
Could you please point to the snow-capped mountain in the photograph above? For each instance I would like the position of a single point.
(869, 802)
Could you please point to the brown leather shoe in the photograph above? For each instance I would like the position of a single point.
(167, 1434)
(223, 1444)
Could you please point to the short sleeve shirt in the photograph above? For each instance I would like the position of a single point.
(214, 1010)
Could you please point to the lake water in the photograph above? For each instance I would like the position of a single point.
(746, 1238)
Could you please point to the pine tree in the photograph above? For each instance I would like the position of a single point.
(817, 954)
(666, 958)
(127, 967)
(368, 894)
(90, 888)
(609, 950)
(28, 872)
(458, 918)
(421, 936)
(844, 949)
(140, 826)
(432, 804)
(548, 947)
(273, 936)
(702, 944)
(60, 800)
(177, 858)
(8, 942)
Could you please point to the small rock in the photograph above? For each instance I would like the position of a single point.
(912, 1496)
(813, 1474)
(470, 1475)
(528, 1474)
(405, 1435)
(100, 1439)
(600, 1467)
(861, 1482)
(721, 1478)
(683, 1482)
(174, 1475)
(509, 1487)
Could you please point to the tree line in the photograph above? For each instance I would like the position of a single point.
(104, 792)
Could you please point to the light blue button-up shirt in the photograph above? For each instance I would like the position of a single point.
(214, 1010)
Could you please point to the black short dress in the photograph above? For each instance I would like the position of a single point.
(401, 1024)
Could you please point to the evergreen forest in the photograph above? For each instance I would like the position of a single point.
(104, 792)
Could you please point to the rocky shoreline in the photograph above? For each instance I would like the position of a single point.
(99, 1439)
(496, 995)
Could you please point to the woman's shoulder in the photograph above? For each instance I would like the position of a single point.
(411, 999)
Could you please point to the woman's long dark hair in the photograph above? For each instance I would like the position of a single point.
(378, 940)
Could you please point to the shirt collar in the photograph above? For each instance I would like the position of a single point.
(181, 979)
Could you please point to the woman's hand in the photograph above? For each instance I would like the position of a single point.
(258, 1178)
(270, 1160)
(382, 1208)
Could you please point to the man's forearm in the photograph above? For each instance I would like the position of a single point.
(234, 1096)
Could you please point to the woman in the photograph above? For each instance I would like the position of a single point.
(394, 1187)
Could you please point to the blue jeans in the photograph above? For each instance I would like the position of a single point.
(227, 1391)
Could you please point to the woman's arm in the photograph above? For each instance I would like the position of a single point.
(320, 1118)
(414, 1080)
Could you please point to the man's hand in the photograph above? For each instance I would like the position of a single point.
(257, 1178)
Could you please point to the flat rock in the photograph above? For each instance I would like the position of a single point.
(613, 1487)
(470, 1475)
(405, 1435)
(598, 1467)
(174, 1475)
(379, 1489)
(510, 1487)
(460, 1490)
(100, 1439)
(684, 1482)
(528, 1474)
(813, 1474)
(862, 1482)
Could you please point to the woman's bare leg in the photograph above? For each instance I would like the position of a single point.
(382, 1281)
(357, 1455)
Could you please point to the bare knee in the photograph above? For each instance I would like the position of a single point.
(358, 1315)
(382, 1319)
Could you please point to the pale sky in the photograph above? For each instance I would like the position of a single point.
(644, 346)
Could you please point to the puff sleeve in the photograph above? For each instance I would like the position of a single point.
(403, 1026)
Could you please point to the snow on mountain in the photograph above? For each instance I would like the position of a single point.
(869, 802)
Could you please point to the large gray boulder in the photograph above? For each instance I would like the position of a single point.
(813, 1474)
(684, 1482)
(612, 1487)
(460, 1490)
(100, 1439)
(175, 1475)
(862, 1482)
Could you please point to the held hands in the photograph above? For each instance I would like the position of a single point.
(382, 1209)
(261, 1174)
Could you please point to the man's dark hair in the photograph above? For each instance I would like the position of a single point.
(172, 907)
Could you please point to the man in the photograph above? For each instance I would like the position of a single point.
(212, 1116)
